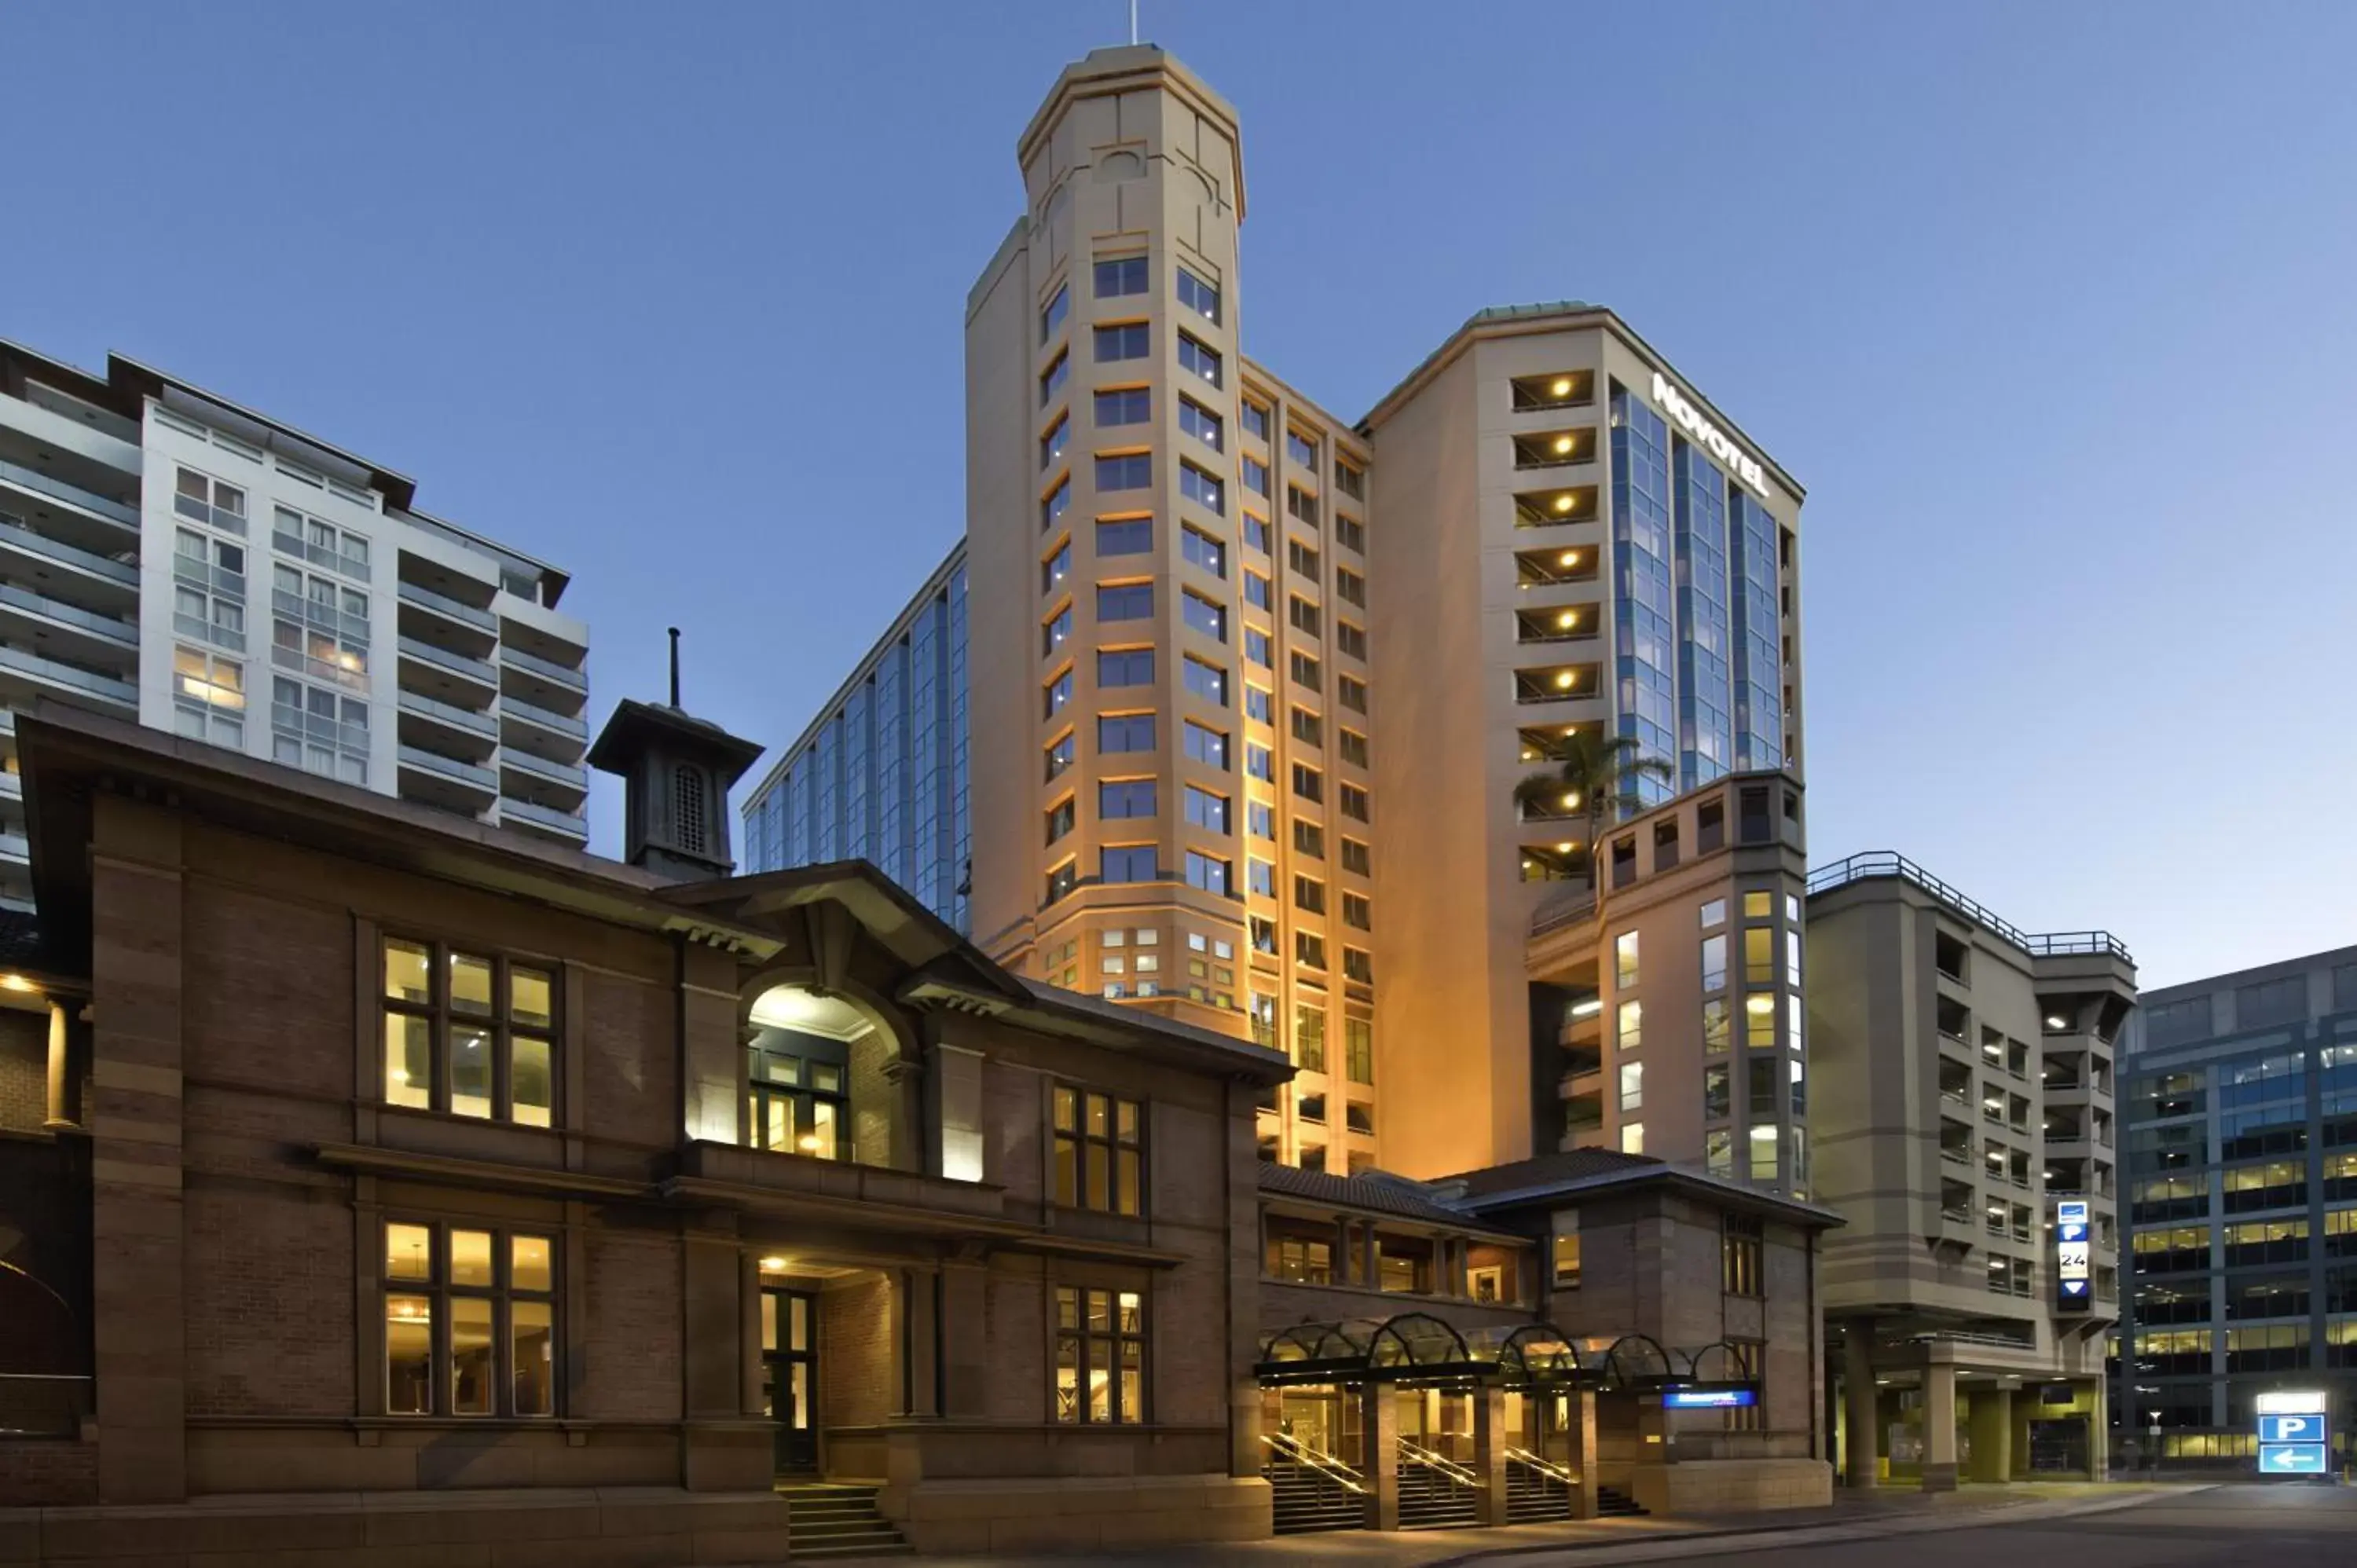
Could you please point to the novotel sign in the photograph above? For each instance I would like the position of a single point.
(1708, 436)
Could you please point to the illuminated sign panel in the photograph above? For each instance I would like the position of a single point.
(2073, 1274)
(1709, 1399)
(2293, 1459)
(1708, 436)
(2295, 1432)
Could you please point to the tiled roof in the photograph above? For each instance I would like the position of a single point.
(1383, 1193)
(1543, 1170)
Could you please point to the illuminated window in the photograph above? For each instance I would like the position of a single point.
(480, 1304)
(1099, 1357)
(469, 1033)
(1100, 1151)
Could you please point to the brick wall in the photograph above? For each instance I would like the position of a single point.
(268, 994)
(270, 1308)
(23, 1071)
(855, 1346)
(874, 1100)
(632, 1353)
(631, 1073)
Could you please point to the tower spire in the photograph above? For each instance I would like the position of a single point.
(674, 665)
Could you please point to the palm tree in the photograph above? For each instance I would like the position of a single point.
(1596, 776)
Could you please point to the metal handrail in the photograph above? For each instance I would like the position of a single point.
(1415, 1454)
(1326, 1465)
(1544, 1466)
(1890, 862)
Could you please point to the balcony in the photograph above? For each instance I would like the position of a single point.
(567, 826)
(444, 605)
(449, 729)
(541, 683)
(541, 733)
(444, 622)
(77, 629)
(1557, 449)
(1557, 683)
(1564, 623)
(71, 681)
(15, 849)
(561, 785)
(18, 539)
(1547, 509)
(87, 503)
(439, 673)
(805, 1182)
(1550, 568)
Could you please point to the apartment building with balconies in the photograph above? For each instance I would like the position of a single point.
(1964, 1096)
(170, 556)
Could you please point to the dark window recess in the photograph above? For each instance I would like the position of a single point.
(1710, 826)
(1752, 824)
(1665, 846)
(1624, 862)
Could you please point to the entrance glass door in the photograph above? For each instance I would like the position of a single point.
(790, 1374)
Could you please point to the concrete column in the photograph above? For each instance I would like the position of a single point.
(1991, 1424)
(1861, 1421)
(965, 1349)
(1381, 1428)
(2098, 1433)
(1491, 1439)
(749, 1330)
(1939, 1426)
(1343, 1272)
(913, 1302)
(1583, 1452)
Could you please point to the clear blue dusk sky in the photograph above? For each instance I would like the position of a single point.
(2051, 308)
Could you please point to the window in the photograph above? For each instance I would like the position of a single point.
(1199, 297)
(1051, 509)
(1256, 647)
(1308, 728)
(1120, 277)
(202, 499)
(1304, 670)
(1260, 703)
(1202, 550)
(1125, 667)
(1741, 1265)
(1059, 819)
(1308, 783)
(1058, 694)
(1301, 449)
(1201, 424)
(1300, 1261)
(1624, 959)
(1256, 590)
(1309, 894)
(1208, 682)
(1357, 913)
(1128, 862)
(1123, 405)
(1201, 614)
(1713, 913)
(1260, 819)
(1059, 755)
(1354, 802)
(1125, 536)
(1302, 558)
(1351, 481)
(1260, 762)
(1714, 962)
(1056, 632)
(1359, 964)
(1351, 693)
(1714, 1024)
(1308, 950)
(1207, 810)
(1633, 1137)
(1763, 1079)
(470, 1034)
(1060, 881)
(1356, 858)
(1202, 490)
(1257, 481)
(1566, 1254)
(1309, 1036)
(1351, 587)
(1100, 1151)
(479, 1305)
(1256, 418)
(1207, 873)
(1351, 640)
(1053, 316)
(1717, 1098)
(1633, 1087)
(1301, 504)
(1260, 876)
(1358, 1048)
(1056, 568)
(1123, 340)
(1119, 798)
(1209, 747)
(1052, 379)
(1099, 1357)
(1631, 1033)
(1051, 445)
(1195, 358)
(1303, 615)
(1760, 955)
(1351, 534)
(209, 679)
(1126, 732)
(1124, 471)
(1125, 601)
(1308, 839)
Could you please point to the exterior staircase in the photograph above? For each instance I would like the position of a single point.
(823, 1522)
(1434, 1493)
(1613, 1503)
(1308, 1499)
(1536, 1493)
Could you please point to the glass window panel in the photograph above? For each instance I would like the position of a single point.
(1133, 1379)
(1126, 1120)
(1132, 1318)
(533, 1333)
(1100, 1381)
(826, 1079)
(470, 983)
(408, 972)
(531, 1263)
(408, 1252)
(819, 1139)
(408, 1060)
(1068, 1173)
(1065, 1110)
(531, 1083)
(470, 1071)
(801, 1396)
(1099, 1110)
(1068, 1380)
(769, 1320)
(409, 1354)
(798, 1323)
(1126, 1192)
(471, 1355)
(470, 1258)
(529, 994)
(1100, 1174)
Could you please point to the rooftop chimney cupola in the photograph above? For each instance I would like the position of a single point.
(678, 769)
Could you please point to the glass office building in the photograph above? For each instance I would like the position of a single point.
(2240, 1107)
(881, 773)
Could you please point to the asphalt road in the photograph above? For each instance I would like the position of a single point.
(2254, 1526)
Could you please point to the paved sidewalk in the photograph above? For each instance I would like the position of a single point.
(1854, 1516)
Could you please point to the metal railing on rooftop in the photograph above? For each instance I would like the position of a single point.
(41, 484)
(1890, 862)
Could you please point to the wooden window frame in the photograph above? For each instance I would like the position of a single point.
(499, 1024)
(1073, 1180)
(502, 1293)
(1122, 1343)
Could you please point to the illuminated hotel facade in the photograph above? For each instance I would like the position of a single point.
(1248, 687)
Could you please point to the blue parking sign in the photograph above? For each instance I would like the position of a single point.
(2291, 1428)
(2293, 1459)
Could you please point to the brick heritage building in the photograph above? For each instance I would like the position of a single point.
(355, 1151)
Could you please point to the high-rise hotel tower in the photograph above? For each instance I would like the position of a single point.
(1247, 687)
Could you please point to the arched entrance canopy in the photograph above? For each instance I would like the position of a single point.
(1413, 1346)
(1532, 1355)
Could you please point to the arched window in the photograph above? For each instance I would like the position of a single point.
(687, 807)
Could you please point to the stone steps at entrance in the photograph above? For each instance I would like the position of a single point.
(1430, 1500)
(1302, 1501)
(829, 1522)
(1534, 1497)
(1613, 1503)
